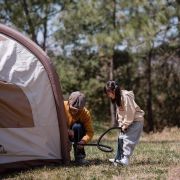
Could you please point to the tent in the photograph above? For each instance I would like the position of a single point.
(33, 128)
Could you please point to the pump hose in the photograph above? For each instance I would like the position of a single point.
(102, 147)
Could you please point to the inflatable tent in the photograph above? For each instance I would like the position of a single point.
(33, 128)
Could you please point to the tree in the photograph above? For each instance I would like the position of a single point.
(97, 29)
(137, 26)
(135, 42)
(32, 17)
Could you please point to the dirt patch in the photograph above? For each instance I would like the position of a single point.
(174, 173)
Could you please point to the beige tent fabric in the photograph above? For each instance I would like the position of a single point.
(59, 140)
(19, 66)
(2, 38)
(15, 109)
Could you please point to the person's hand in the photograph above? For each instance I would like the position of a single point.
(69, 146)
(80, 144)
(70, 133)
(124, 128)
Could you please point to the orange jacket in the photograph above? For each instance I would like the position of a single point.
(84, 117)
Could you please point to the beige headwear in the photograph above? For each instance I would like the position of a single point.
(77, 100)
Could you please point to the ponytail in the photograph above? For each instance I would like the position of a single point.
(114, 86)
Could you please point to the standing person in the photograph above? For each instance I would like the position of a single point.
(130, 118)
(79, 123)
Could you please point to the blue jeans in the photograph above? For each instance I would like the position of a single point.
(79, 132)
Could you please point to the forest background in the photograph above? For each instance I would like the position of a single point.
(90, 42)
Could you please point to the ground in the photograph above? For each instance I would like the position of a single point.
(157, 156)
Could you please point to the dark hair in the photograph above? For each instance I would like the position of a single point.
(114, 86)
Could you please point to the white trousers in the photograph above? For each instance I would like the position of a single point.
(128, 140)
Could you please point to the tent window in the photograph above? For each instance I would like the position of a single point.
(15, 109)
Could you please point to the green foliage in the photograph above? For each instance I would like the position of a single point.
(166, 88)
(100, 39)
(83, 74)
(32, 17)
(104, 26)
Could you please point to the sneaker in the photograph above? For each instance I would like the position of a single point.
(115, 162)
(124, 161)
(112, 160)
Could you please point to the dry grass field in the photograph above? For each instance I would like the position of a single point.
(157, 156)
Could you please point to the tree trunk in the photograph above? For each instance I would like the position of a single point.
(45, 27)
(111, 74)
(149, 95)
(29, 21)
(112, 106)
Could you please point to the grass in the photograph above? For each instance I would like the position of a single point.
(157, 156)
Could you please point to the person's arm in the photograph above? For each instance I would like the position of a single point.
(68, 118)
(130, 109)
(87, 122)
(119, 117)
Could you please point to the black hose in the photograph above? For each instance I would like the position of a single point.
(102, 147)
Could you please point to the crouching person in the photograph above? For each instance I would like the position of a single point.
(130, 119)
(79, 123)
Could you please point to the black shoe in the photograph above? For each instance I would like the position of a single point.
(81, 162)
